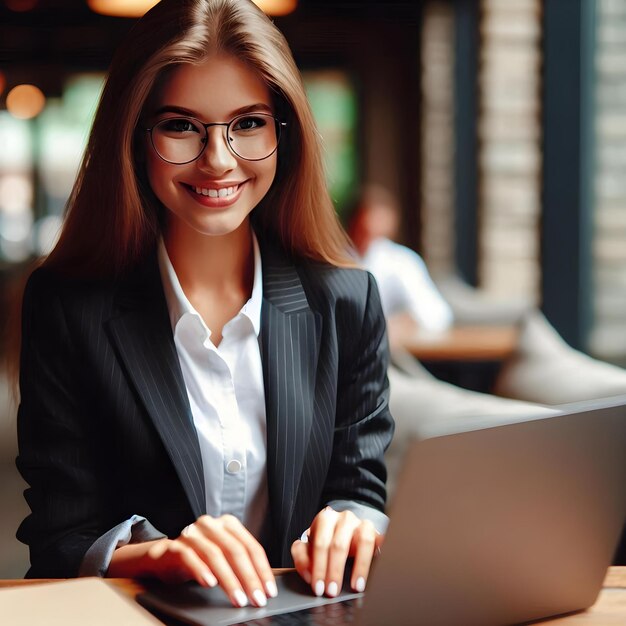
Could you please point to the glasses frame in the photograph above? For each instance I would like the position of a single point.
(279, 126)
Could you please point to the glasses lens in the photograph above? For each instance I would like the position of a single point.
(253, 136)
(178, 139)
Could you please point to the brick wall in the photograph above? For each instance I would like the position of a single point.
(437, 132)
(509, 139)
(608, 338)
(509, 159)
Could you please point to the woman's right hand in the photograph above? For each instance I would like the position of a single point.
(212, 550)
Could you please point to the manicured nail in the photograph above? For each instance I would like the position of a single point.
(270, 587)
(240, 598)
(307, 576)
(210, 580)
(319, 588)
(259, 597)
(360, 584)
(332, 589)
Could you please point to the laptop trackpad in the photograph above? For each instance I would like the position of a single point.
(198, 605)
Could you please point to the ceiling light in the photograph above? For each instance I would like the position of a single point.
(121, 8)
(276, 7)
(25, 101)
(136, 8)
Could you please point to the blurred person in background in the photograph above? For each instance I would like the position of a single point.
(409, 296)
(203, 369)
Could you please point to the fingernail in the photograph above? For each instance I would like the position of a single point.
(360, 584)
(332, 589)
(307, 576)
(259, 597)
(210, 580)
(270, 587)
(240, 598)
(319, 588)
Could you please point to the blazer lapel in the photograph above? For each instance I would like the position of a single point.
(290, 335)
(143, 337)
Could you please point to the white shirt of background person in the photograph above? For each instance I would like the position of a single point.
(405, 285)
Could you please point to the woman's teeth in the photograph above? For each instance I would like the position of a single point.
(216, 193)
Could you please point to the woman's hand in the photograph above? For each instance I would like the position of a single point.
(320, 555)
(210, 551)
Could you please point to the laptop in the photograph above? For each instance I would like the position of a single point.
(489, 526)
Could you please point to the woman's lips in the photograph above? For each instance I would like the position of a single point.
(212, 201)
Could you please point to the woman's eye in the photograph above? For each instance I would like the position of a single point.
(179, 125)
(249, 123)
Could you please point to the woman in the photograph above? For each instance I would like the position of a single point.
(203, 387)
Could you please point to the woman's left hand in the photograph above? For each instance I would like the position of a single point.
(320, 555)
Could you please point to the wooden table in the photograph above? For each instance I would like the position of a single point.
(609, 609)
(466, 356)
(463, 343)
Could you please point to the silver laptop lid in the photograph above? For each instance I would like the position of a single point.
(504, 525)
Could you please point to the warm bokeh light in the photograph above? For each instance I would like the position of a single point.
(21, 5)
(3, 82)
(136, 8)
(276, 7)
(25, 101)
(121, 8)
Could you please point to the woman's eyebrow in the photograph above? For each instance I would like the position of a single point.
(258, 106)
(168, 108)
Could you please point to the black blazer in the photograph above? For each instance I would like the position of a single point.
(105, 428)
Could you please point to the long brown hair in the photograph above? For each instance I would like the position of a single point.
(113, 218)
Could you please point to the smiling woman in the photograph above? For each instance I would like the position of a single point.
(203, 371)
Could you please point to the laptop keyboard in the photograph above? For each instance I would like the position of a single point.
(334, 614)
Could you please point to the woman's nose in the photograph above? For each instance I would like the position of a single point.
(217, 156)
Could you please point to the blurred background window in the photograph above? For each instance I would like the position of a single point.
(38, 164)
(334, 104)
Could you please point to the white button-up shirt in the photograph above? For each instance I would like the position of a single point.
(227, 398)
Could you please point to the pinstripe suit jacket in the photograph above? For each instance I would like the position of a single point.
(105, 428)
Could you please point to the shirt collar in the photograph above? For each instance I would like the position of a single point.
(178, 304)
(252, 308)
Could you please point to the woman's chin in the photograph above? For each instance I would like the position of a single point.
(215, 226)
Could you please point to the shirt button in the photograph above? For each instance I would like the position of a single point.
(233, 466)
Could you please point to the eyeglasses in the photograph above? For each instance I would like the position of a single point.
(181, 140)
